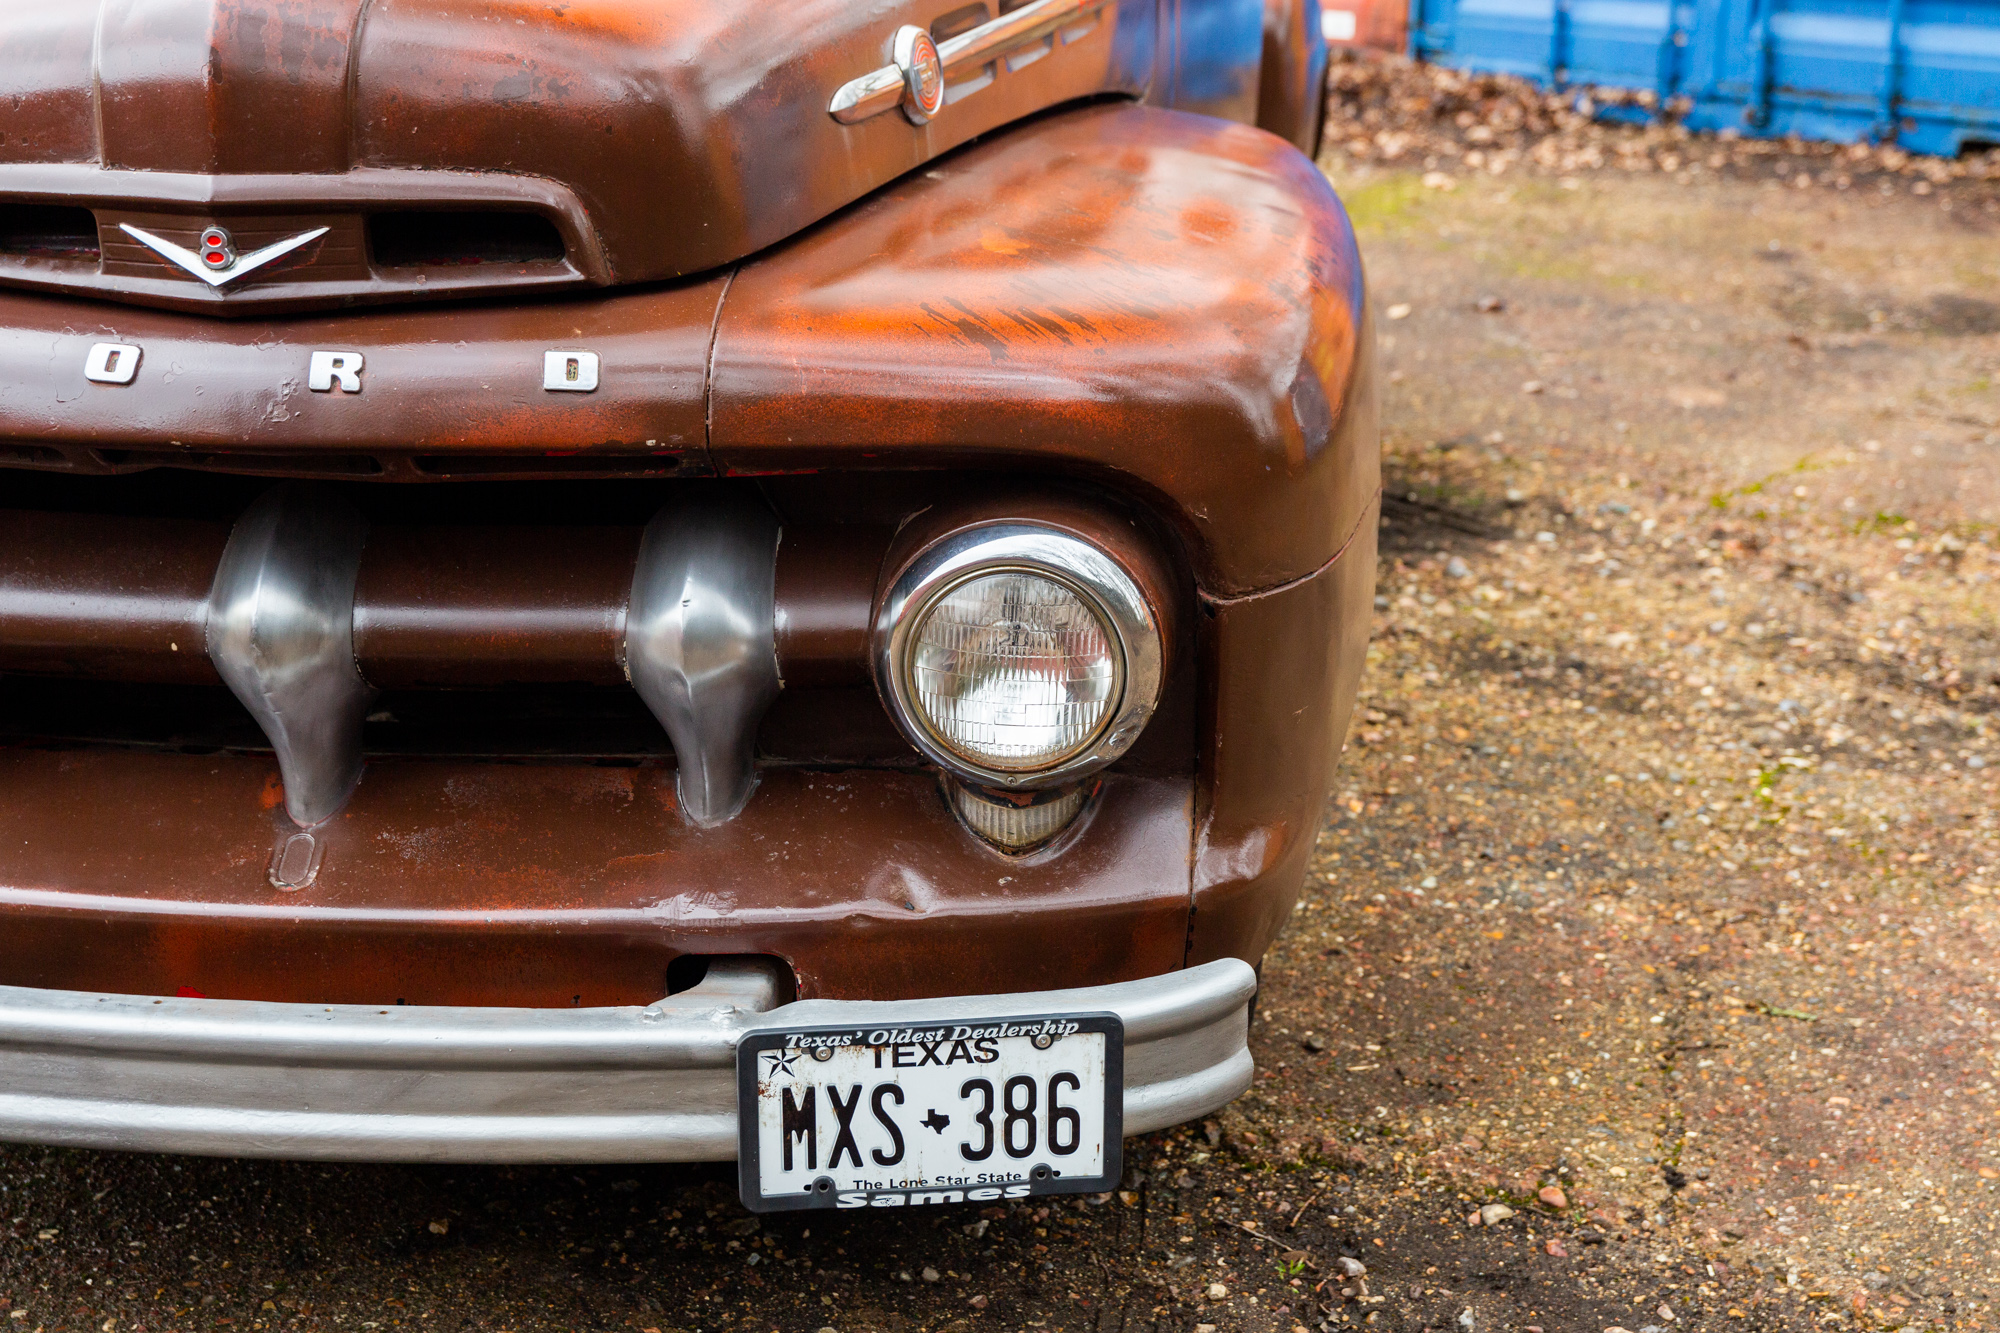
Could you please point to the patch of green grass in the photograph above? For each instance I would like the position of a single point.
(1722, 499)
(1764, 785)
(1540, 263)
(1383, 204)
(1885, 521)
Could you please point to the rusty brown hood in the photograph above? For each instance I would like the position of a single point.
(659, 137)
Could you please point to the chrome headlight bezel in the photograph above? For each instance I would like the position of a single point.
(1047, 552)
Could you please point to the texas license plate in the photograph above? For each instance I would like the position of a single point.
(950, 1112)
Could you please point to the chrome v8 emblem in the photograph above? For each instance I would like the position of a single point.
(217, 262)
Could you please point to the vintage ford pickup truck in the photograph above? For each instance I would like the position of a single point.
(666, 579)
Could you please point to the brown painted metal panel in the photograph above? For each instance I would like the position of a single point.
(225, 85)
(493, 606)
(46, 83)
(827, 578)
(1163, 302)
(696, 131)
(1282, 673)
(692, 132)
(465, 883)
(437, 380)
(1291, 87)
(1032, 305)
(108, 597)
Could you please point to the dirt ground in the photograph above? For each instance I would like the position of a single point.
(1645, 979)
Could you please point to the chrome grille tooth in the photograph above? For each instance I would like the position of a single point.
(280, 631)
(701, 643)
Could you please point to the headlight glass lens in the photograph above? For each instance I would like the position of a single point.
(1014, 671)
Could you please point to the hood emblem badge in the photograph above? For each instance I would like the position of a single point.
(923, 74)
(217, 262)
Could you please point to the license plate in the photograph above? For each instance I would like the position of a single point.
(952, 1112)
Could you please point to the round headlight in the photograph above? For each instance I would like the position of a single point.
(1018, 655)
(1014, 670)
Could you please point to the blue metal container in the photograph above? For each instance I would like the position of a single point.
(1925, 73)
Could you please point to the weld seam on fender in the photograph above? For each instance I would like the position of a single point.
(1374, 505)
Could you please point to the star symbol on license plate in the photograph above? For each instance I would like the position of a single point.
(781, 1062)
(936, 1121)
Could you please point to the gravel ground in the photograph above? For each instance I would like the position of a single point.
(1645, 977)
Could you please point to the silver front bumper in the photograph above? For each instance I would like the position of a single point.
(351, 1082)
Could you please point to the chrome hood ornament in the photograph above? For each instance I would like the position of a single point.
(920, 68)
(217, 263)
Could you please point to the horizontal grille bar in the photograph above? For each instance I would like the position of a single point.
(306, 612)
(106, 597)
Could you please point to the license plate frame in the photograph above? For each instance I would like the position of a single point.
(1037, 1175)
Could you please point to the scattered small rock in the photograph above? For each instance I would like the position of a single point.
(1350, 1267)
(1554, 1249)
(1314, 1042)
(1493, 1214)
(1553, 1196)
(1400, 310)
(1217, 1292)
(440, 1227)
(1490, 305)
(1457, 569)
(931, 1275)
(977, 1302)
